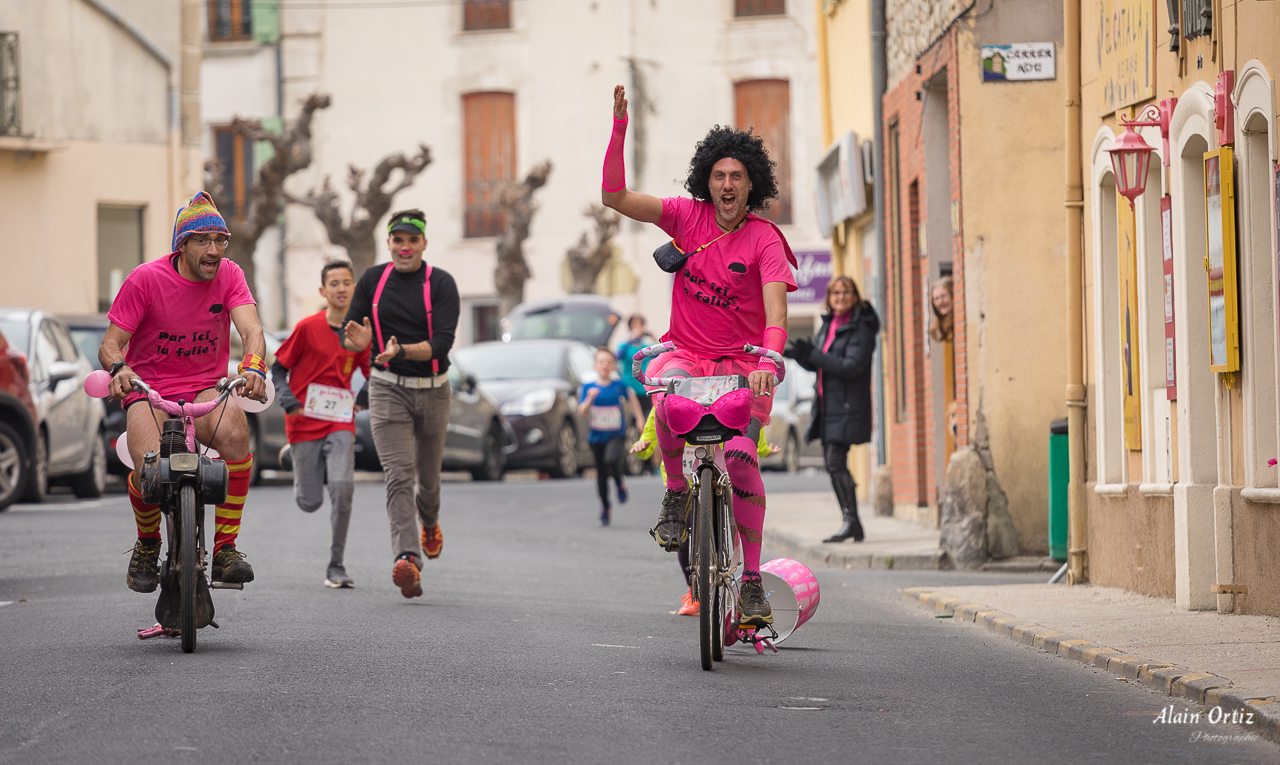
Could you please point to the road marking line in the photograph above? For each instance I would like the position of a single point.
(604, 645)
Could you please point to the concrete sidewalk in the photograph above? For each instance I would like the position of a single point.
(1218, 660)
(797, 522)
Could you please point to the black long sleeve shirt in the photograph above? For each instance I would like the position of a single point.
(402, 313)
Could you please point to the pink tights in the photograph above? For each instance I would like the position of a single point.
(744, 473)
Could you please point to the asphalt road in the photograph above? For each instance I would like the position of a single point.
(542, 638)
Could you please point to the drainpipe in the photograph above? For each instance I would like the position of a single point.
(1077, 511)
(284, 214)
(879, 84)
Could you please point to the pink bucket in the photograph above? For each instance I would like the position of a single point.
(793, 594)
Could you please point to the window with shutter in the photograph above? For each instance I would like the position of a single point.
(230, 20)
(764, 106)
(489, 151)
(486, 14)
(235, 162)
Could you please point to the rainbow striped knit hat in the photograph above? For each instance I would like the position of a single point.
(199, 217)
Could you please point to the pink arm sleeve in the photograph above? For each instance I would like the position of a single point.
(615, 170)
(775, 339)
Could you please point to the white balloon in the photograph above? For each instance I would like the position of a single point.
(251, 406)
(122, 450)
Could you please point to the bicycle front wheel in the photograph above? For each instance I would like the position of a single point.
(706, 567)
(189, 541)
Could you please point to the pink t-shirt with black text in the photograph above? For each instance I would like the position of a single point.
(181, 329)
(717, 299)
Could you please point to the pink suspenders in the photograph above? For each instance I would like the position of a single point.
(426, 300)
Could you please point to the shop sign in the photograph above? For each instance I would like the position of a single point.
(811, 277)
(1130, 337)
(1219, 209)
(1018, 61)
(1170, 346)
(1126, 53)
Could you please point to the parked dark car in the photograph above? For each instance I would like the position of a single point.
(586, 318)
(478, 440)
(792, 402)
(536, 382)
(88, 332)
(69, 447)
(17, 424)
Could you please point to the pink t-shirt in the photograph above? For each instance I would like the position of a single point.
(717, 299)
(181, 329)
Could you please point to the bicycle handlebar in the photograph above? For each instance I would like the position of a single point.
(194, 410)
(657, 348)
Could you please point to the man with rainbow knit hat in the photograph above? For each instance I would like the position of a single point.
(174, 315)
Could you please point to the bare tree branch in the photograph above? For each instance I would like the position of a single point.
(372, 201)
(516, 201)
(586, 262)
(265, 197)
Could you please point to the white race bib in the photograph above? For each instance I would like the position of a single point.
(690, 461)
(325, 402)
(605, 418)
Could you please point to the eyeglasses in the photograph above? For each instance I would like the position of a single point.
(220, 242)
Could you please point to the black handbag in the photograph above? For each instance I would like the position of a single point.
(670, 257)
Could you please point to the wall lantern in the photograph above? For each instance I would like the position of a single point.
(1131, 156)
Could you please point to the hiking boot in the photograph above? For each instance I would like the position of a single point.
(230, 566)
(144, 566)
(337, 577)
(432, 542)
(405, 576)
(688, 606)
(672, 527)
(753, 608)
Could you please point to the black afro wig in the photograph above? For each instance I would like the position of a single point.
(747, 148)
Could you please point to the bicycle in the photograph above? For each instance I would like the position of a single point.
(182, 480)
(706, 412)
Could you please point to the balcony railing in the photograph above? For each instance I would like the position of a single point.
(10, 90)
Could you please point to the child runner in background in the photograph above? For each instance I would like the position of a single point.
(643, 448)
(312, 374)
(602, 404)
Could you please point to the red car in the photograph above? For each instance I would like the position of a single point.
(17, 424)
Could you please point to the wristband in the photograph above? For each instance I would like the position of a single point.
(775, 339)
(254, 369)
(400, 353)
(615, 171)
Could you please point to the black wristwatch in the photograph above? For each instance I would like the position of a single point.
(116, 367)
(400, 353)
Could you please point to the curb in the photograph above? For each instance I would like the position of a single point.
(1201, 687)
(833, 556)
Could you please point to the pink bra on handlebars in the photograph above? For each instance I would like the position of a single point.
(733, 410)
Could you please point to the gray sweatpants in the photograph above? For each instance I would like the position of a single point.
(409, 429)
(333, 455)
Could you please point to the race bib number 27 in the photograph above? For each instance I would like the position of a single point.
(324, 402)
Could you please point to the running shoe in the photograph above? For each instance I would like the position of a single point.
(604, 516)
(337, 577)
(230, 566)
(622, 492)
(688, 606)
(753, 607)
(143, 566)
(405, 576)
(432, 541)
(672, 527)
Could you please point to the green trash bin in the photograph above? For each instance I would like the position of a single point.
(1059, 475)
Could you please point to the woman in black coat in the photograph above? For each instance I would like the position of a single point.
(842, 407)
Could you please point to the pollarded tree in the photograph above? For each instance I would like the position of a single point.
(516, 201)
(585, 260)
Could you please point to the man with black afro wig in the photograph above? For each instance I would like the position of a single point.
(733, 270)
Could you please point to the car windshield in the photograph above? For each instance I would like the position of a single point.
(589, 326)
(512, 361)
(89, 341)
(16, 332)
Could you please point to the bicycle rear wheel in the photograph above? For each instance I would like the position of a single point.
(706, 567)
(189, 541)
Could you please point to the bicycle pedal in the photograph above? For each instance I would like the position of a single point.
(227, 585)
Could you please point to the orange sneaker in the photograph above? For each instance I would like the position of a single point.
(405, 576)
(688, 606)
(432, 542)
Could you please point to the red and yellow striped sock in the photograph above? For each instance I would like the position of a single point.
(147, 517)
(227, 517)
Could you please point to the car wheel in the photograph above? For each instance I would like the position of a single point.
(791, 454)
(13, 465)
(255, 472)
(93, 481)
(566, 452)
(495, 462)
(38, 476)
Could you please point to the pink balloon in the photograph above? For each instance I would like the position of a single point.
(122, 450)
(98, 383)
(252, 406)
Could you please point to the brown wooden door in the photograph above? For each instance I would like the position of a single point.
(765, 107)
(489, 150)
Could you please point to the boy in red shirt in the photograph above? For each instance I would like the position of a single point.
(312, 374)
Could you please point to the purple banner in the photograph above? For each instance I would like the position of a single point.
(811, 277)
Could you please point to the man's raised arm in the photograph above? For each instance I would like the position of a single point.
(613, 189)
